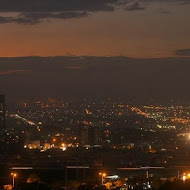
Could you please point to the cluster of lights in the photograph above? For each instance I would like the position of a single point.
(185, 177)
(63, 147)
(166, 126)
(47, 146)
(139, 112)
(16, 116)
(180, 120)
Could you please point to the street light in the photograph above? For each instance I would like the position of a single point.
(14, 175)
(184, 177)
(102, 175)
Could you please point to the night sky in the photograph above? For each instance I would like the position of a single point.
(130, 42)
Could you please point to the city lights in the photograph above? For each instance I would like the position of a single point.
(95, 95)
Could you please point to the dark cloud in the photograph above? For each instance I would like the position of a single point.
(182, 52)
(166, 1)
(134, 7)
(37, 17)
(56, 5)
(71, 5)
(19, 20)
(36, 11)
(4, 20)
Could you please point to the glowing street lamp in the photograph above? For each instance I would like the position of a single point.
(14, 175)
(102, 175)
(184, 177)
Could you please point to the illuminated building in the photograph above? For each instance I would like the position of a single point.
(2, 112)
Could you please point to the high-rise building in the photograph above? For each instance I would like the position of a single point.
(90, 135)
(2, 112)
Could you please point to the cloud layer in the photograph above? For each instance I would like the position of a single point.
(35, 18)
(95, 76)
(36, 11)
(182, 52)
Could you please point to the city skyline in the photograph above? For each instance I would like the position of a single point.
(94, 94)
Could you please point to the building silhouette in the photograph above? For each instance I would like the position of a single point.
(90, 135)
(2, 113)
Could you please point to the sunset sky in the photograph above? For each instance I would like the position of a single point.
(123, 48)
(141, 28)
